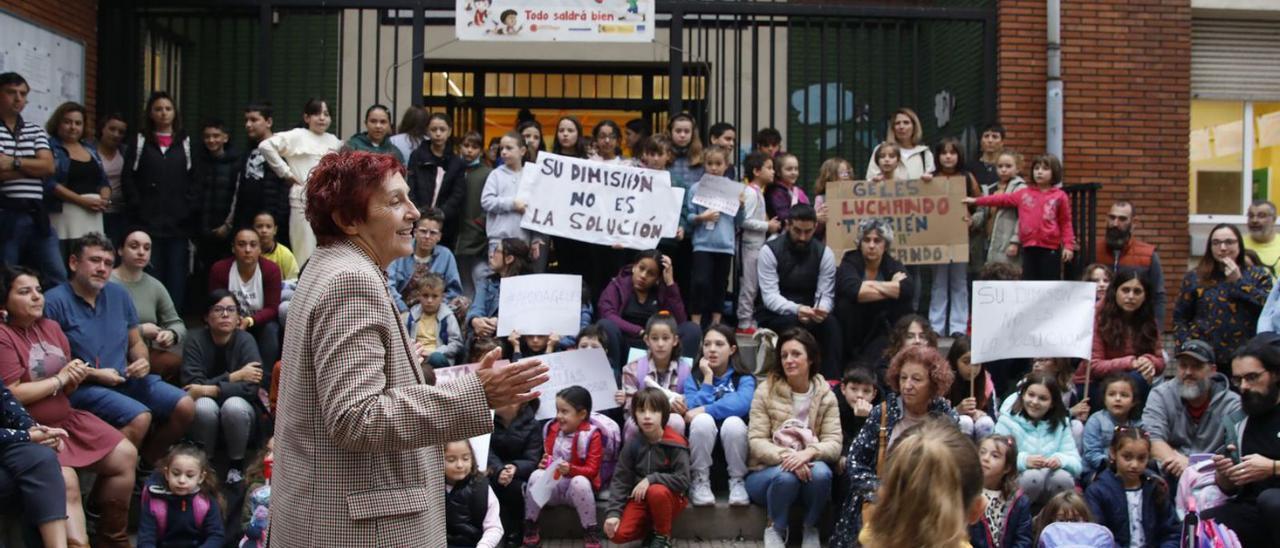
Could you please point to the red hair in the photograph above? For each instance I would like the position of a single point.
(940, 374)
(341, 185)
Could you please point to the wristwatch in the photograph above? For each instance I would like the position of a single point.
(17, 163)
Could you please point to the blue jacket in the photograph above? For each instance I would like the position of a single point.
(724, 398)
(62, 164)
(486, 303)
(400, 271)
(1039, 439)
(180, 527)
(1098, 431)
(1017, 532)
(1107, 502)
(722, 238)
(449, 339)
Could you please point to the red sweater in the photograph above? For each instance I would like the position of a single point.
(1107, 359)
(1044, 216)
(220, 278)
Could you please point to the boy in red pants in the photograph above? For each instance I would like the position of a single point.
(652, 478)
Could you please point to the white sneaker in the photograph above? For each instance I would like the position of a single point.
(772, 539)
(811, 538)
(700, 493)
(738, 492)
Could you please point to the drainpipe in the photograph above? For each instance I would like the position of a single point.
(1053, 82)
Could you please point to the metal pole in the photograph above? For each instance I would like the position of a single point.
(1053, 83)
(675, 56)
(419, 46)
(264, 52)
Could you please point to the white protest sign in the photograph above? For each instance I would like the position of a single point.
(1032, 320)
(588, 368)
(719, 193)
(480, 448)
(540, 304)
(479, 444)
(599, 203)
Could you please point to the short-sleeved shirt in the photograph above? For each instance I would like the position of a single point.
(99, 334)
(28, 140)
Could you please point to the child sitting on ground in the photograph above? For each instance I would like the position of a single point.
(434, 325)
(649, 486)
(180, 503)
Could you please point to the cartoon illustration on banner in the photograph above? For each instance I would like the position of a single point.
(556, 20)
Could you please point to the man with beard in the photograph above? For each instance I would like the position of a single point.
(1124, 252)
(1184, 415)
(1261, 238)
(797, 286)
(1249, 470)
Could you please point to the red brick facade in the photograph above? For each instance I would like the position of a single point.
(1126, 68)
(75, 18)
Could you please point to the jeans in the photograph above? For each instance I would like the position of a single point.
(24, 243)
(170, 257)
(950, 286)
(778, 491)
(30, 475)
(235, 417)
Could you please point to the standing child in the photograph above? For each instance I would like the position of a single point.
(1122, 408)
(503, 208)
(713, 244)
(889, 160)
(661, 363)
(576, 472)
(716, 405)
(779, 197)
(950, 281)
(655, 153)
(1048, 461)
(973, 395)
(1007, 520)
(1130, 500)
(648, 490)
(514, 450)
(180, 503)
(472, 248)
(472, 518)
(686, 149)
(832, 171)
(755, 228)
(1044, 220)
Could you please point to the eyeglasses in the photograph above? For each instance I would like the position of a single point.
(229, 310)
(1224, 243)
(1251, 378)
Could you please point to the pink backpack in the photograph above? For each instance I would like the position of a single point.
(1197, 491)
(610, 436)
(158, 508)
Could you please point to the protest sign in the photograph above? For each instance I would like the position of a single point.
(555, 20)
(588, 368)
(479, 444)
(540, 304)
(927, 218)
(719, 193)
(1032, 320)
(599, 203)
(480, 448)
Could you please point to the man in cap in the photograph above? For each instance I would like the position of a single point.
(1184, 414)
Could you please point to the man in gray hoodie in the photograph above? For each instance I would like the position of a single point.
(1184, 415)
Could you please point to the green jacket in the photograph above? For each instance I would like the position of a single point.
(361, 142)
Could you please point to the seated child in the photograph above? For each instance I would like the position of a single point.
(592, 336)
(662, 364)
(527, 346)
(718, 400)
(652, 477)
(514, 451)
(973, 394)
(1067, 506)
(256, 510)
(576, 472)
(472, 517)
(180, 503)
(1048, 461)
(434, 325)
(1121, 408)
(1130, 500)
(1006, 523)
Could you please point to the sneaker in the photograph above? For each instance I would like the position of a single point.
(773, 539)
(700, 493)
(811, 539)
(532, 535)
(234, 476)
(738, 492)
(591, 537)
(659, 541)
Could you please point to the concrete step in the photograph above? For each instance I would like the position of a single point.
(708, 523)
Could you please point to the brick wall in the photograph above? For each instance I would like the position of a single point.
(75, 18)
(1126, 70)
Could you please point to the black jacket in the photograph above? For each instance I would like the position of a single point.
(866, 326)
(159, 187)
(200, 364)
(519, 443)
(217, 179)
(466, 505)
(423, 168)
(259, 189)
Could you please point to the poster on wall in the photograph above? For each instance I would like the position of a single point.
(555, 20)
(927, 217)
(52, 64)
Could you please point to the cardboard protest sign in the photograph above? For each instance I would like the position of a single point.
(588, 368)
(927, 218)
(556, 20)
(540, 304)
(1032, 320)
(719, 193)
(599, 203)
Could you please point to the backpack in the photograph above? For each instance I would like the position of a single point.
(142, 142)
(158, 508)
(1064, 534)
(1196, 488)
(610, 436)
(766, 359)
(683, 366)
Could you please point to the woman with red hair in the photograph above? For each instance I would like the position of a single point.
(360, 424)
(919, 379)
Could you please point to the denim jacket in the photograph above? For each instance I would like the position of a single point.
(62, 165)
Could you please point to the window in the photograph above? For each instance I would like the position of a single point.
(1234, 157)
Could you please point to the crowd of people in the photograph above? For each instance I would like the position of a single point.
(147, 283)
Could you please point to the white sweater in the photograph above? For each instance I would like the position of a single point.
(296, 152)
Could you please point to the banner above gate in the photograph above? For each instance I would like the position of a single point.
(555, 20)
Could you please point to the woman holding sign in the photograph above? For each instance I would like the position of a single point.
(509, 257)
(1125, 338)
(872, 292)
(1221, 297)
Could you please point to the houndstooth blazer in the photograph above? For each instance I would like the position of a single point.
(357, 456)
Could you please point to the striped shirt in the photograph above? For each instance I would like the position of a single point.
(30, 139)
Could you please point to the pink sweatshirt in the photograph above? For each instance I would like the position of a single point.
(1044, 216)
